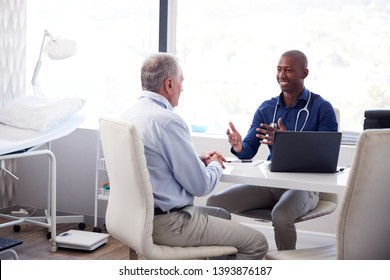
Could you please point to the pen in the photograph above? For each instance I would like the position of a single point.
(243, 161)
(343, 168)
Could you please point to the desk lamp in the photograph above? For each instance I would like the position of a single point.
(56, 49)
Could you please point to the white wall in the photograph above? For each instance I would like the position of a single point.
(76, 162)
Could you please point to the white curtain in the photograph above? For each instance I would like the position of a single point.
(12, 74)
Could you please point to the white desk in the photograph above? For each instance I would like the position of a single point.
(261, 176)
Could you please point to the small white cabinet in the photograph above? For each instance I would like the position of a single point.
(102, 185)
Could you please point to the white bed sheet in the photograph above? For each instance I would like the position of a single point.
(15, 139)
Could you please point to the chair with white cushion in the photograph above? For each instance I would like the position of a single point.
(363, 225)
(130, 210)
(326, 205)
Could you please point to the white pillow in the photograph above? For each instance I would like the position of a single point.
(39, 113)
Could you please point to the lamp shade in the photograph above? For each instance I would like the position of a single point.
(61, 48)
(56, 49)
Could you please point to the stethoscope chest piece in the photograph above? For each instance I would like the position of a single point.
(273, 125)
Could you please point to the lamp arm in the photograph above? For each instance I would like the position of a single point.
(39, 62)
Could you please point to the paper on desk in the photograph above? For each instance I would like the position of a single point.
(239, 162)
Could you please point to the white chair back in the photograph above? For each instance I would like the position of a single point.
(129, 216)
(130, 209)
(363, 226)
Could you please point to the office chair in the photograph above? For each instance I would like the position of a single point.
(338, 117)
(130, 209)
(363, 225)
(326, 205)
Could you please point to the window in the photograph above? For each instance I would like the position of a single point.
(113, 37)
(230, 49)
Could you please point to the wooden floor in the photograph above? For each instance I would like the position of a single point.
(36, 246)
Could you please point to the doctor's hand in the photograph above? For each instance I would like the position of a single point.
(234, 138)
(267, 132)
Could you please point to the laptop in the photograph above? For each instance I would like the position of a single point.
(305, 151)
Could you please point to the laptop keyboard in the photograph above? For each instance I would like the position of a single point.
(6, 243)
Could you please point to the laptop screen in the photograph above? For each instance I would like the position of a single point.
(305, 151)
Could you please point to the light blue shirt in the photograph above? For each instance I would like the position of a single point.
(177, 174)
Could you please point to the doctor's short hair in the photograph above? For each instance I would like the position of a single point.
(157, 68)
(298, 55)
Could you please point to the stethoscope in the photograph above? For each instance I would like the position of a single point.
(304, 109)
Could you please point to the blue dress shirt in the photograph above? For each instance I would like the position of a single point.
(177, 174)
(321, 118)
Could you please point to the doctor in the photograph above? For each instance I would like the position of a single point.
(295, 109)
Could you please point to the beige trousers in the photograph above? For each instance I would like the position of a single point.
(197, 226)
